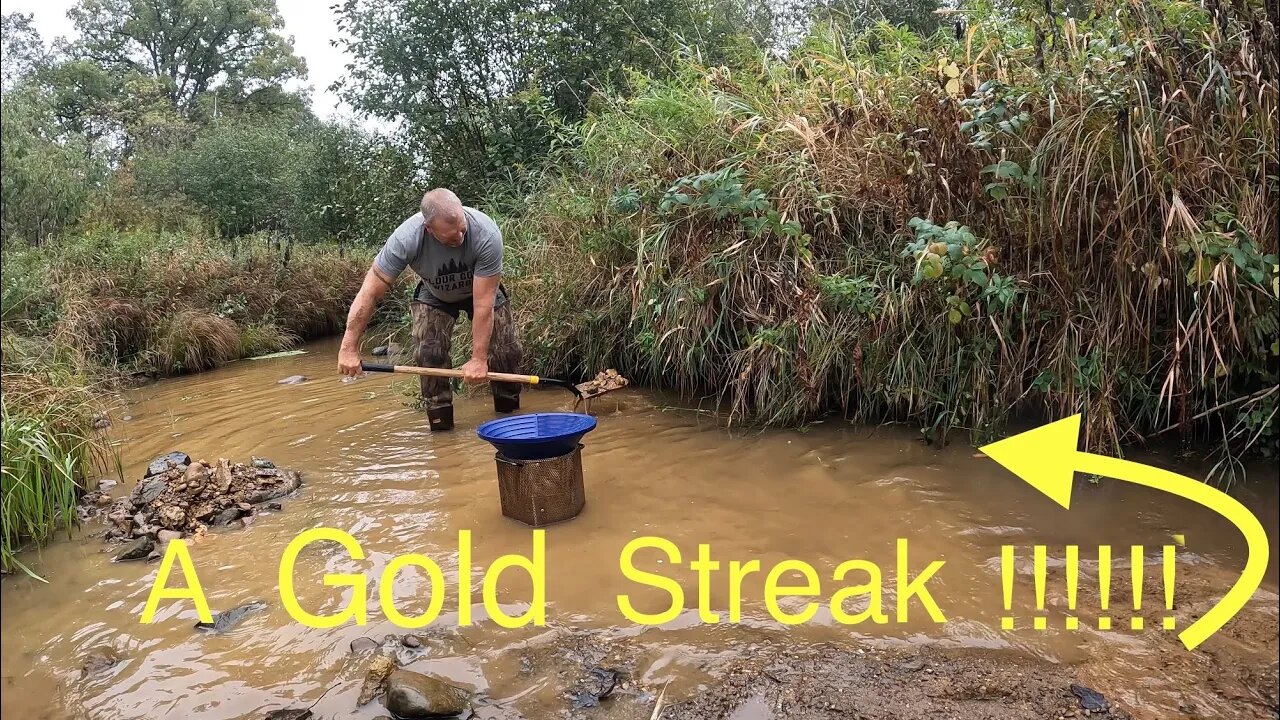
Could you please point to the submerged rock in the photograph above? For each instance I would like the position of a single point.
(167, 462)
(290, 714)
(137, 550)
(224, 621)
(412, 696)
(99, 661)
(292, 380)
(598, 685)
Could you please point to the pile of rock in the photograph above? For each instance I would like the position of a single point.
(179, 497)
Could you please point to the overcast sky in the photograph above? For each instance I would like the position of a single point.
(310, 22)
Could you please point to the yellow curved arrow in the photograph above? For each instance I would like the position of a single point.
(1048, 459)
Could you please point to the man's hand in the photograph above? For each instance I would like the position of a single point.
(475, 371)
(348, 362)
(374, 287)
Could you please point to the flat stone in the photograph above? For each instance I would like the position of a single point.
(228, 516)
(147, 490)
(1090, 699)
(380, 351)
(136, 550)
(224, 621)
(412, 696)
(107, 483)
(411, 641)
(165, 536)
(263, 463)
(168, 461)
(363, 644)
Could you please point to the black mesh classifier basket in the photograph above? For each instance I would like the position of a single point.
(541, 492)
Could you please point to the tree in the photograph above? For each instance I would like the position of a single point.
(47, 174)
(22, 51)
(243, 173)
(190, 46)
(475, 81)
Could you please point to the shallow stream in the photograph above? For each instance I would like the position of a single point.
(371, 468)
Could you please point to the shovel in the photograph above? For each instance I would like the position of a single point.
(581, 391)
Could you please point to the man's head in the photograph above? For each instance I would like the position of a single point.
(442, 211)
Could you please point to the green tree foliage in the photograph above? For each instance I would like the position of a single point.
(476, 84)
(22, 51)
(48, 174)
(361, 185)
(309, 180)
(245, 174)
(190, 46)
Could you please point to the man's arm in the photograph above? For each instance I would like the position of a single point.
(375, 286)
(483, 290)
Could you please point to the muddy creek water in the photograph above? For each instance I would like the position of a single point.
(372, 469)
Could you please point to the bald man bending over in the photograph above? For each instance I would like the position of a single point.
(456, 252)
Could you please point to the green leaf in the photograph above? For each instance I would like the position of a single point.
(931, 267)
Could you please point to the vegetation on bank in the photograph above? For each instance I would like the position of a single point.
(83, 312)
(1075, 216)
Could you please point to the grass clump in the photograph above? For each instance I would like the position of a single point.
(158, 303)
(49, 446)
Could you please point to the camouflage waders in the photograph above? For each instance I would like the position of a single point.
(433, 322)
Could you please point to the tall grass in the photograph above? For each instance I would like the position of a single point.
(164, 303)
(81, 309)
(47, 442)
(936, 230)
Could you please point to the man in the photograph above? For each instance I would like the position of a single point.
(456, 251)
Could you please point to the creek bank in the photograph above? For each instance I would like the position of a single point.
(179, 498)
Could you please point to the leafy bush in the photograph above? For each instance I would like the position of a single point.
(936, 230)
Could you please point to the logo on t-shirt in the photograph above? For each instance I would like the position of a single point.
(452, 277)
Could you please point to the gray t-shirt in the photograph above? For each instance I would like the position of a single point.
(446, 272)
